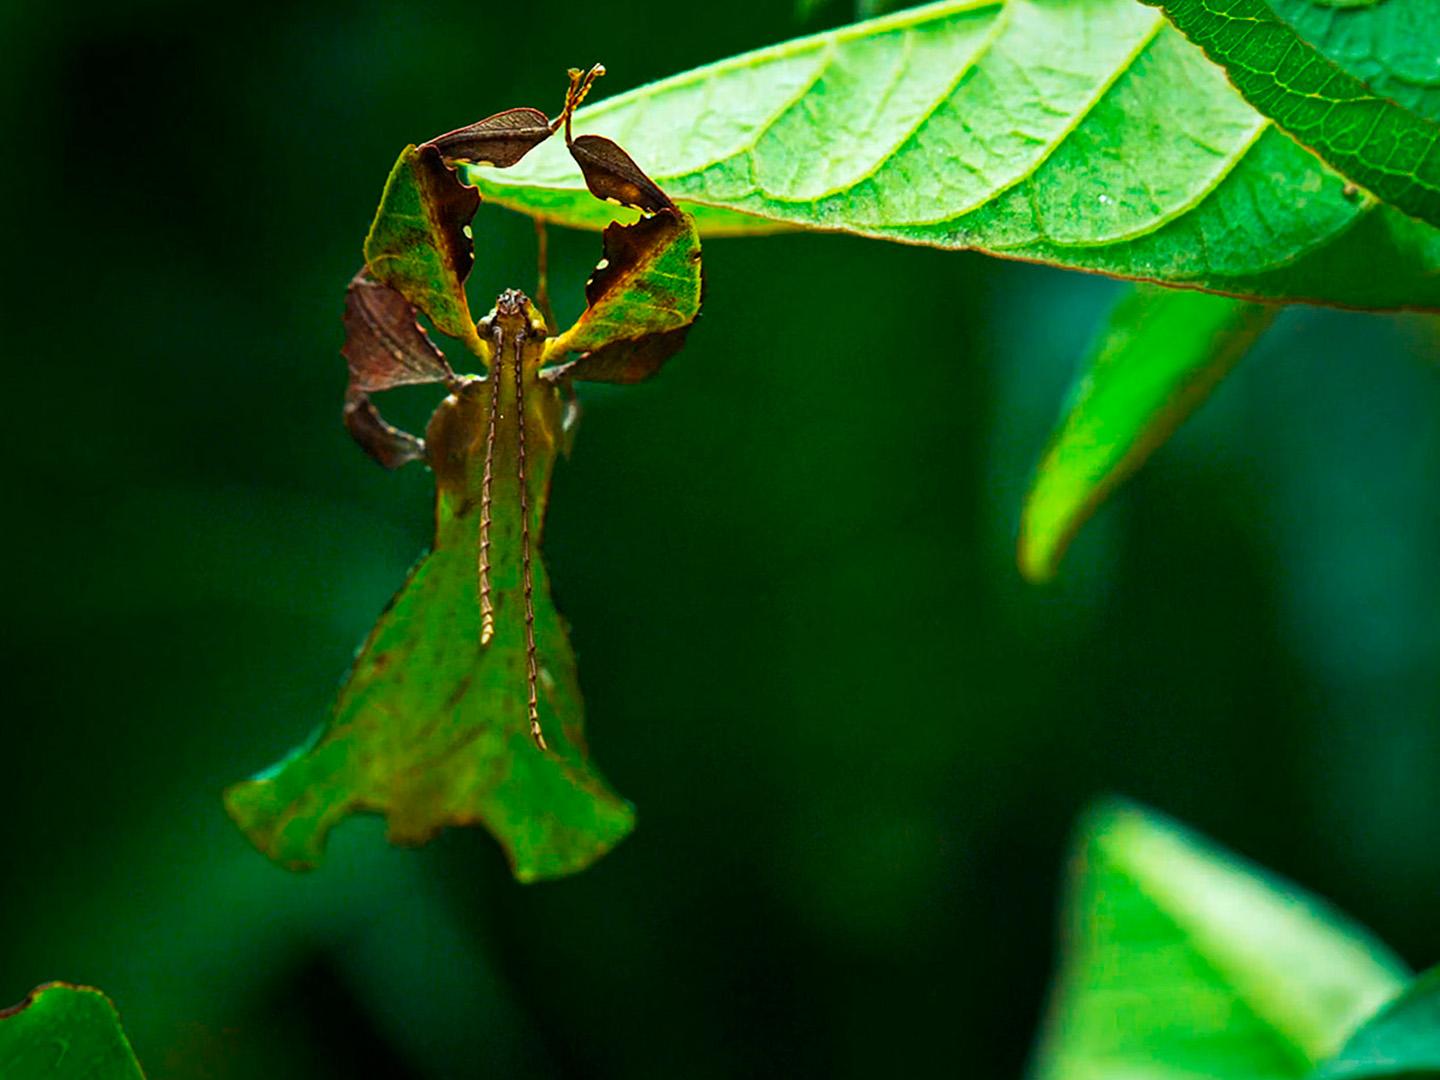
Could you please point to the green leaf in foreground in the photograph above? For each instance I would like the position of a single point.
(65, 1032)
(1401, 1041)
(1376, 142)
(1180, 961)
(1083, 133)
(1159, 356)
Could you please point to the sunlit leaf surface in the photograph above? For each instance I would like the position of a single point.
(1375, 141)
(1180, 960)
(1084, 133)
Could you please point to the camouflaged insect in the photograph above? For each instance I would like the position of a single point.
(462, 706)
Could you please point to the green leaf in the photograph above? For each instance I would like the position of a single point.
(431, 728)
(419, 244)
(1159, 356)
(640, 302)
(1180, 961)
(1376, 142)
(1401, 1042)
(1084, 133)
(1391, 46)
(65, 1032)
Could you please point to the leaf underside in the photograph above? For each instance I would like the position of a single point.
(1157, 359)
(65, 1032)
(1083, 133)
(1180, 961)
(1378, 143)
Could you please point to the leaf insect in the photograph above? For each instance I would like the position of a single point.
(471, 659)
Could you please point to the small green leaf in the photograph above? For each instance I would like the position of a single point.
(1159, 356)
(418, 244)
(1374, 141)
(1083, 133)
(65, 1032)
(1401, 1042)
(640, 302)
(1180, 961)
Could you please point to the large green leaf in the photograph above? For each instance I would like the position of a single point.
(1392, 45)
(65, 1032)
(1181, 961)
(1373, 140)
(1401, 1042)
(1084, 133)
(1160, 354)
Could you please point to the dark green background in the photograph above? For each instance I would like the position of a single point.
(856, 740)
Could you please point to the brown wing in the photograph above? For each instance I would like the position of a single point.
(500, 140)
(384, 345)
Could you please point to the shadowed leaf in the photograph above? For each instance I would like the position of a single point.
(388, 445)
(1401, 1042)
(640, 302)
(384, 345)
(431, 728)
(500, 140)
(1373, 140)
(418, 244)
(65, 1032)
(1159, 356)
(1082, 133)
(1180, 961)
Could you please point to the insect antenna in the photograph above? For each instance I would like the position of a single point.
(531, 674)
(487, 602)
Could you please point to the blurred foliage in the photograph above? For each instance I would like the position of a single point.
(1180, 961)
(63, 1032)
(858, 739)
(1401, 1041)
(1158, 357)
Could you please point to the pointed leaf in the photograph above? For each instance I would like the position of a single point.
(65, 1032)
(431, 728)
(384, 344)
(1180, 961)
(1158, 358)
(418, 244)
(1082, 133)
(640, 302)
(499, 141)
(1401, 1041)
(1376, 142)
